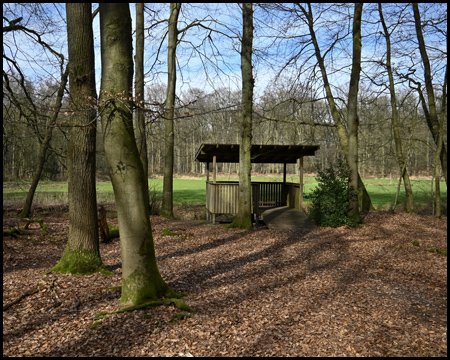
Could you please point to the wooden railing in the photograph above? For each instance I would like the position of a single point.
(222, 197)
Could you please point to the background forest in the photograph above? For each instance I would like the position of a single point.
(289, 103)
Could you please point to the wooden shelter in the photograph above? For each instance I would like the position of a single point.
(222, 196)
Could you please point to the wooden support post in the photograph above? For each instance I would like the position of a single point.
(284, 172)
(208, 214)
(214, 169)
(300, 190)
(215, 189)
(255, 199)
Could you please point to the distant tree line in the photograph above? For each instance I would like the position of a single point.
(214, 118)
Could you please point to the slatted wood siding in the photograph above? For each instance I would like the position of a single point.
(222, 197)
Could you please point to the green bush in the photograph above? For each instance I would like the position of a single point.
(329, 200)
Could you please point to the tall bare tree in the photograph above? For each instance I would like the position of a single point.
(352, 109)
(438, 152)
(82, 254)
(34, 111)
(404, 172)
(141, 279)
(366, 203)
(431, 112)
(167, 202)
(45, 145)
(244, 215)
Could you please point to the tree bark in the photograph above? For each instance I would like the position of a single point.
(139, 120)
(432, 116)
(395, 120)
(167, 202)
(440, 144)
(366, 203)
(141, 280)
(244, 215)
(352, 112)
(82, 254)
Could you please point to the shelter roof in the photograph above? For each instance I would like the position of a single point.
(275, 154)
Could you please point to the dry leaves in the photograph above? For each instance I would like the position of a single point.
(330, 292)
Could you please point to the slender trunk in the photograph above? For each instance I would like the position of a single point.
(440, 144)
(26, 211)
(139, 121)
(432, 117)
(437, 180)
(82, 254)
(366, 203)
(398, 191)
(395, 120)
(167, 203)
(141, 280)
(244, 216)
(352, 112)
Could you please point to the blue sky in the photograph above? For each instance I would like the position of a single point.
(192, 73)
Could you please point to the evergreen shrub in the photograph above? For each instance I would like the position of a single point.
(330, 199)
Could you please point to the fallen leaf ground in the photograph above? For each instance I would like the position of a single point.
(329, 292)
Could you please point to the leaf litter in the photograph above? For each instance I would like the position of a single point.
(364, 291)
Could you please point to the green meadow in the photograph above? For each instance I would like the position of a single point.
(193, 190)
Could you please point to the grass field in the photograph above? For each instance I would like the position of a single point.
(193, 190)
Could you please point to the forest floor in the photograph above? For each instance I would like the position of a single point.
(366, 291)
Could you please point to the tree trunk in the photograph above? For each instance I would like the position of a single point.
(82, 254)
(139, 120)
(26, 211)
(440, 144)
(437, 175)
(141, 280)
(244, 215)
(366, 203)
(167, 202)
(395, 120)
(352, 112)
(431, 113)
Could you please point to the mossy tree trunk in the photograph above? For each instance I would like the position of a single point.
(169, 138)
(244, 215)
(82, 254)
(141, 280)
